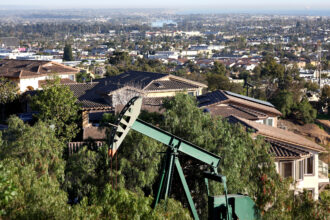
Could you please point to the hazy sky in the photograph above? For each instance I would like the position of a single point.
(188, 4)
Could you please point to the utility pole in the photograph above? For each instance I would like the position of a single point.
(319, 57)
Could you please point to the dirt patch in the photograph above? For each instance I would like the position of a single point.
(310, 131)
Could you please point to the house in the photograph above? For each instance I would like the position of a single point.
(225, 103)
(295, 156)
(28, 74)
(155, 84)
(110, 94)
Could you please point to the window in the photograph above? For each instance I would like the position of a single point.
(270, 121)
(299, 169)
(309, 166)
(191, 93)
(286, 169)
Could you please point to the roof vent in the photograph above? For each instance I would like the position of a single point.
(159, 85)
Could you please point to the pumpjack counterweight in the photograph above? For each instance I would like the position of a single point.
(225, 207)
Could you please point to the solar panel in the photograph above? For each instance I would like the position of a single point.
(250, 99)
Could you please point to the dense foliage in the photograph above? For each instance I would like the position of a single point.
(57, 106)
(37, 181)
(8, 93)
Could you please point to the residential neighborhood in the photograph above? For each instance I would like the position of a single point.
(160, 114)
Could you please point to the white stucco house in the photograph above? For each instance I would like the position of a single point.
(31, 74)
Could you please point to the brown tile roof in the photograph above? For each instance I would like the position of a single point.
(277, 134)
(62, 81)
(226, 110)
(282, 150)
(221, 97)
(32, 68)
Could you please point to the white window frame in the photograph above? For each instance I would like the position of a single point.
(305, 166)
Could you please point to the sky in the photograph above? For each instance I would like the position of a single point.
(176, 4)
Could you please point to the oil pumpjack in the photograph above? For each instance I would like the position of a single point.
(224, 207)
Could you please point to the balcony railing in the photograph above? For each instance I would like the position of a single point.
(323, 170)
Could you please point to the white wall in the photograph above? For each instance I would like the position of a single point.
(309, 181)
(312, 181)
(24, 83)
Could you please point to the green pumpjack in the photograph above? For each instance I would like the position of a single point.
(224, 207)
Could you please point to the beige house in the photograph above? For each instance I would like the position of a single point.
(295, 156)
(31, 74)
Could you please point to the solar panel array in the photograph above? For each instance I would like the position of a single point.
(249, 99)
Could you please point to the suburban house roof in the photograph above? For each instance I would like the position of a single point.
(20, 69)
(278, 135)
(226, 110)
(93, 95)
(225, 97)
(149, 81)
(88, 95)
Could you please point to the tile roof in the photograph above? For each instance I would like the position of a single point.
(32, 68)
(150, 81)
(277, 134)
(88, 95)
(160, 85)
(135, 79)
(157, 101)
(282, 150)
(226, 110)
(221, 97)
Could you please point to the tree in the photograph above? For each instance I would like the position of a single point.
(304, 112)
(272, 69)
(284, 102)
(32, 171)
(83, 76)
(56, 105)
(67, 56)
(217, 81)
(312, 86)
(219, 68)
(33, 157)
(8, 93)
